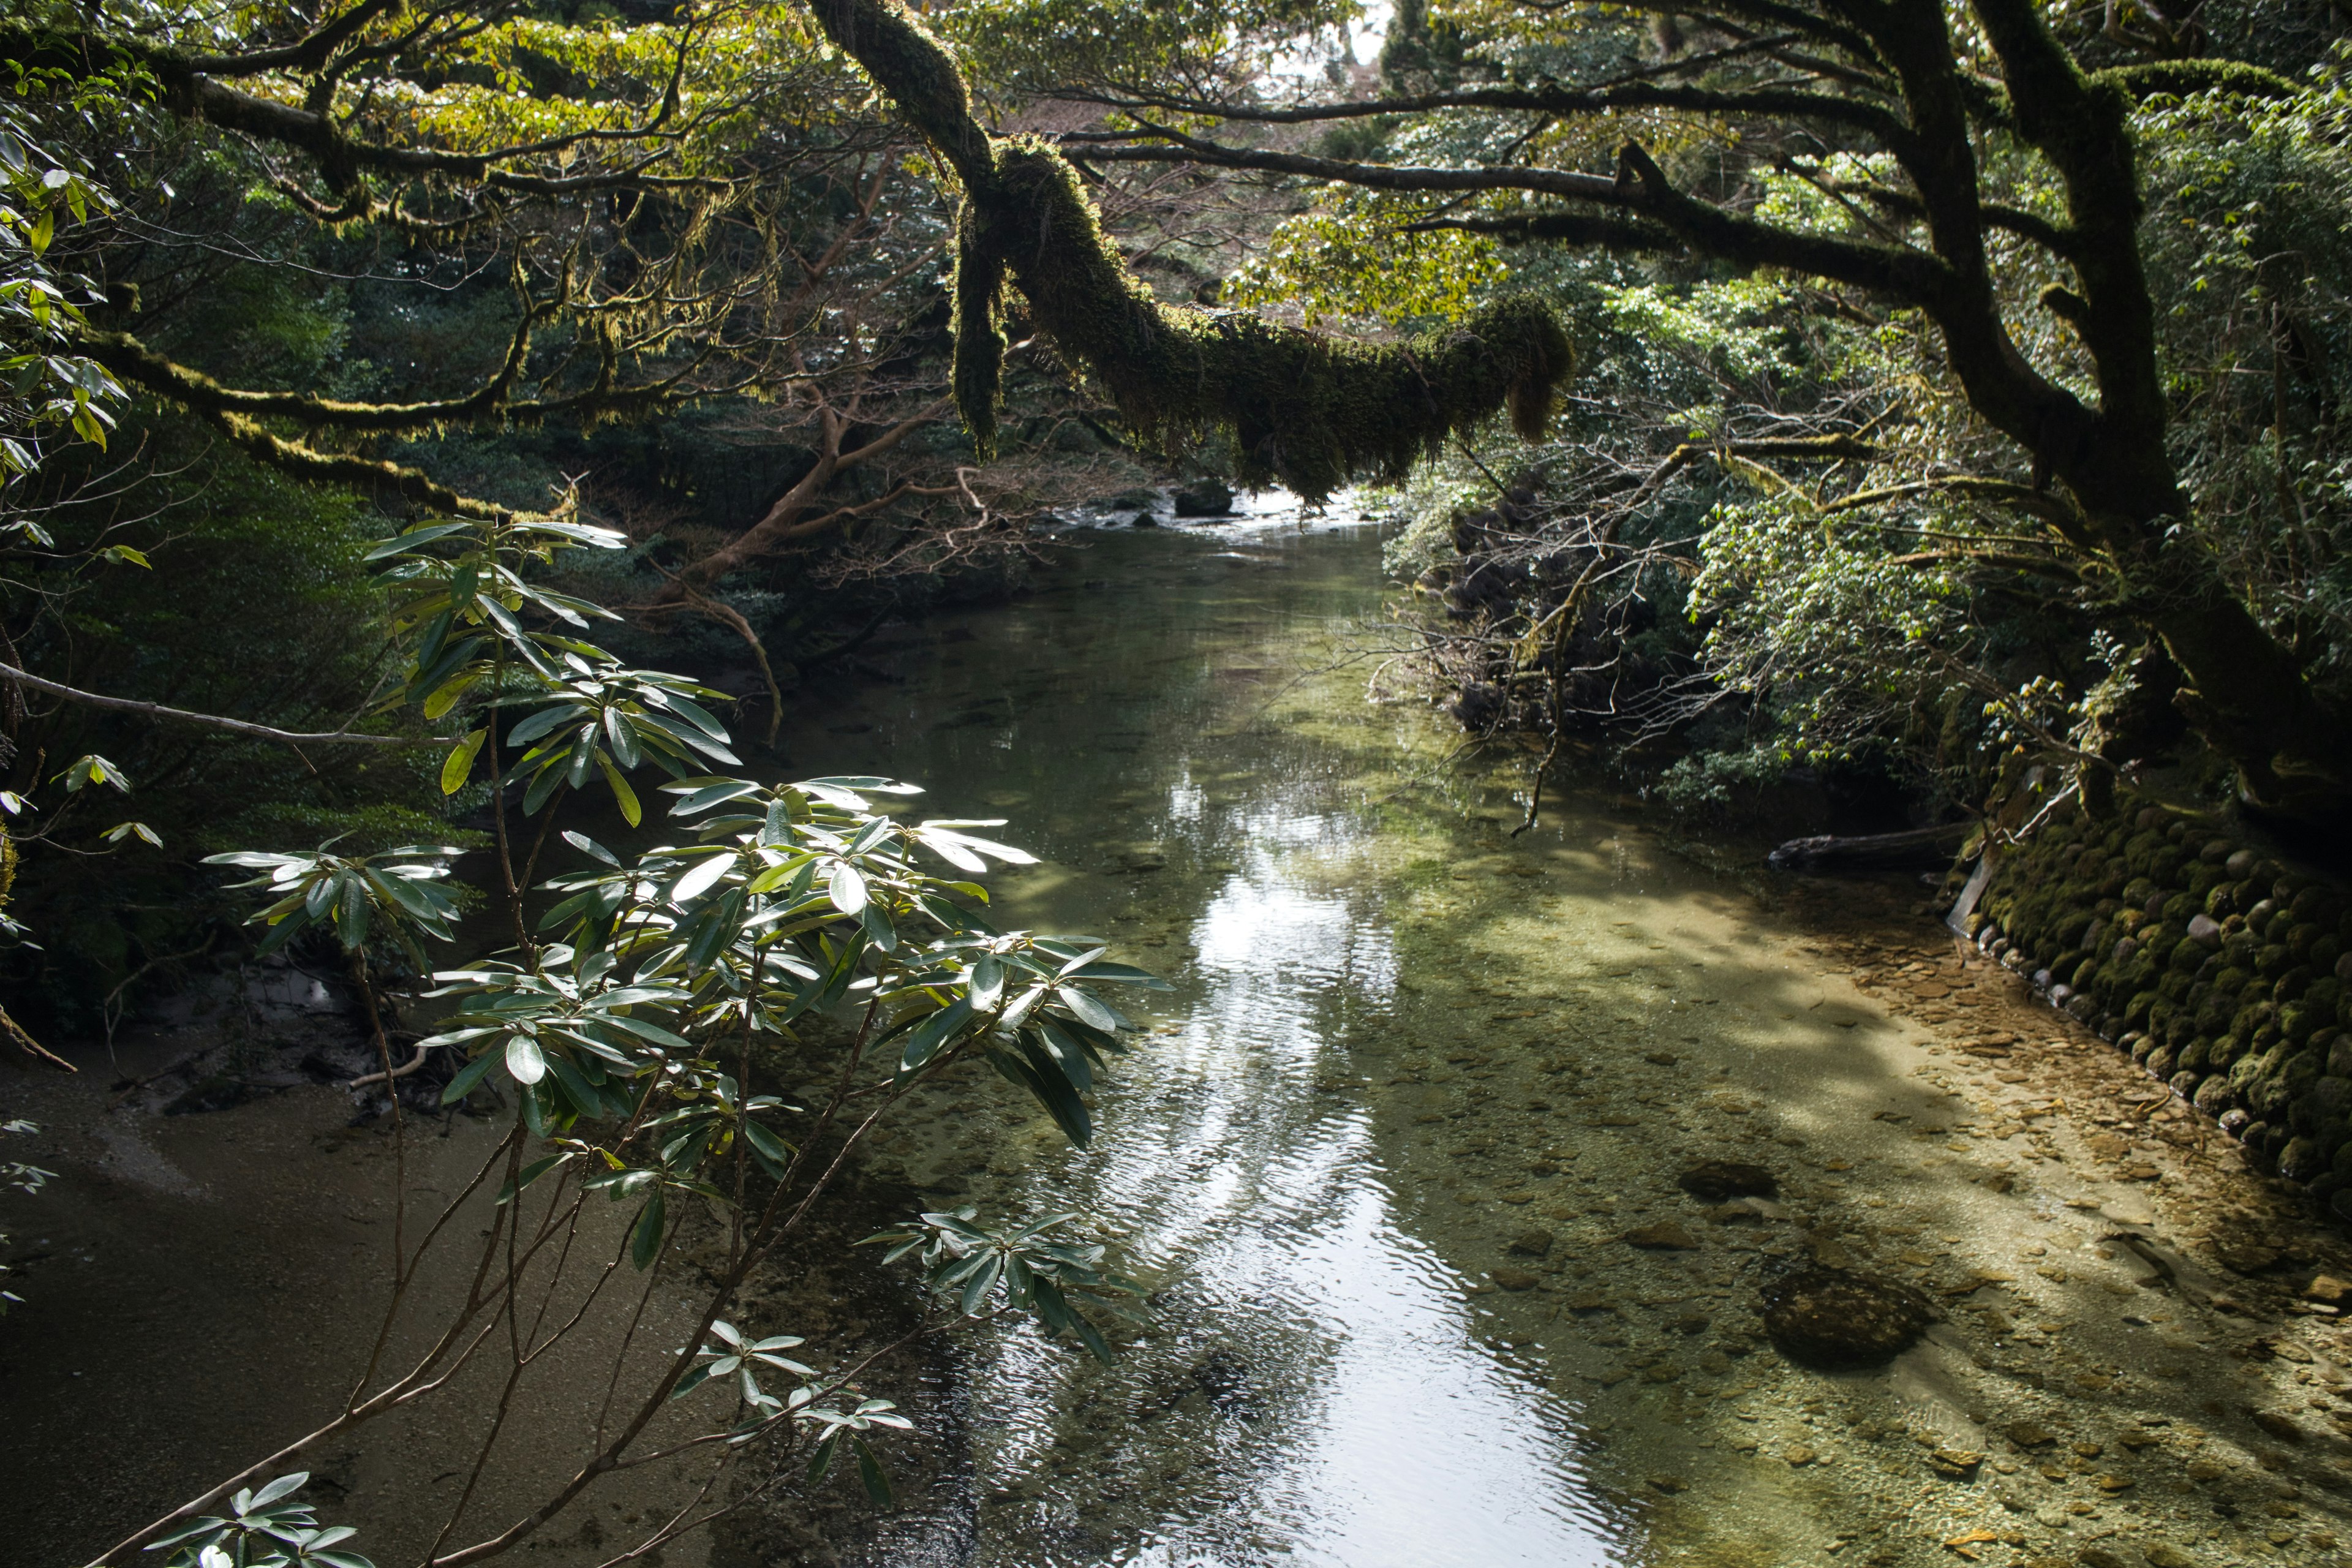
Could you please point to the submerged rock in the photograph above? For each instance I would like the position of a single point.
(1667, 1237)
(1716, 1180)
(1830, 1318)
(1532, 1244)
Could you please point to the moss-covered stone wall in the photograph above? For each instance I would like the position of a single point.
(2222, 972)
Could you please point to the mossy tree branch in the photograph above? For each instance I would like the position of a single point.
(1307, 411)
(192, 89)
(1547, 98)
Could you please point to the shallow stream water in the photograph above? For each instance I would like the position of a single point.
(1178, 724)
(1398, 1157)
(1400, 1150)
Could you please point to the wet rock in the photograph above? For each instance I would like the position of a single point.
(1531, 1244)
(1959, 1464)
(1665, 1236)
(1511, 1278)
(1207, 498)
(2329, 1290)
(1833, 1318)
(1716, 1180)
(2277, 1424)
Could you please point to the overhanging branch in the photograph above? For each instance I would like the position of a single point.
(157, 711)
(1307, 411)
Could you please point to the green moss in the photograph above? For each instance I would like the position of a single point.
(978, 366)
(1306, 411)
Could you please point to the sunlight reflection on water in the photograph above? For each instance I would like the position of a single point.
(1353, 1416)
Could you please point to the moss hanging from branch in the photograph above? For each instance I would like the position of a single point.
(1307, 411)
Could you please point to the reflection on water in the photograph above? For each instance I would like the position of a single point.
(1314, 1388)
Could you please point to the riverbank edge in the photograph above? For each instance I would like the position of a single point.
(2221, 970)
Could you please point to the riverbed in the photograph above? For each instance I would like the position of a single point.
(1399, 1158)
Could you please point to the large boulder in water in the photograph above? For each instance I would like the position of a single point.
(1210, 498)
(1830, 1318)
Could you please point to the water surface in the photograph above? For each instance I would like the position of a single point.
(1317, 1387)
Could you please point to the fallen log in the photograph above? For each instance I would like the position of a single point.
(1918, 847)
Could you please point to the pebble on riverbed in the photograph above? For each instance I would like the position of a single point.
(1716, 1180)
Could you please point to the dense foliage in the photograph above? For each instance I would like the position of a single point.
(1954, 378)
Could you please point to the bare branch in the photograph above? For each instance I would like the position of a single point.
(209, 721)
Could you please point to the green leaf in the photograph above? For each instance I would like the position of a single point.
(401, 544)
(701, 878)
(976, 1288)
(529, 1173)
(1087, 1007)
(847, 887)
(445, 696)
(870, 1469)
(471, 1074)
(525, 1063)
(645, 1238)
(545, 722)
(773, 1153)
(458, 765)
(588, 846)
(549, 780)
(1121, 974)
(710, 795)
(879, 926)
(934, 1032)
(617, 730)
(1043, 1077)
(622, 795)
(576, 1087)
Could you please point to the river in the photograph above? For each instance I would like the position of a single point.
(1177, 725)
(1401, 1157)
